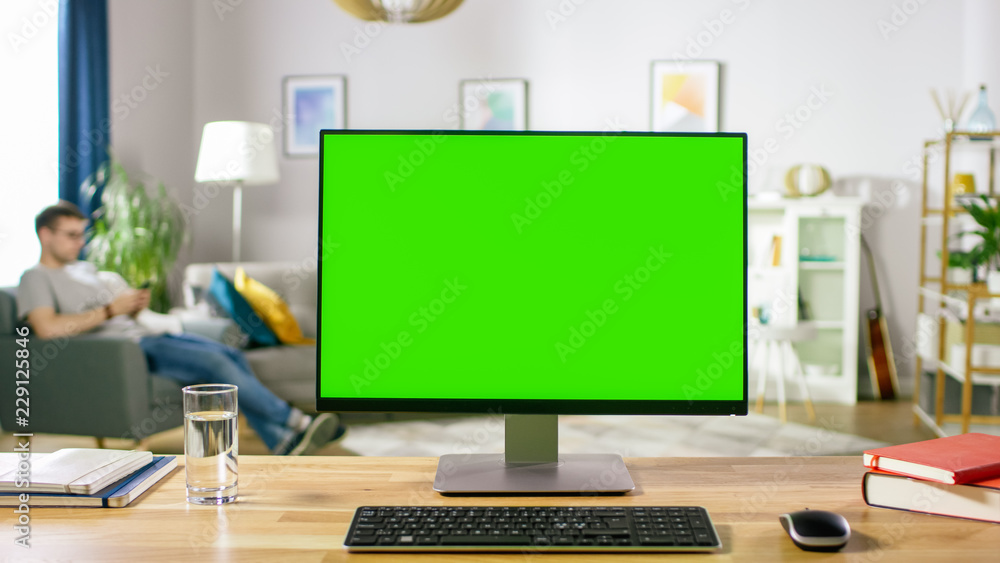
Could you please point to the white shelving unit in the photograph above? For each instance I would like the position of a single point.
(819, 265)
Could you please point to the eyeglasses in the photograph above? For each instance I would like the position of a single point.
(73, 235)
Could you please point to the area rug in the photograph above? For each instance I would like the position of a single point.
(639, 436)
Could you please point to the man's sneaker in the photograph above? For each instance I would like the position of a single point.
(317, 434)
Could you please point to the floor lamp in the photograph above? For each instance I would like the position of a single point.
(238, 152)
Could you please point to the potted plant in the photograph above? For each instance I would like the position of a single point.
(136, 232)
(987, 252)
(961, 267)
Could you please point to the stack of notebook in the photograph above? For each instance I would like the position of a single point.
(80, 477)
(957, 476)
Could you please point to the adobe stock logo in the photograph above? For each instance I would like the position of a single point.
(626, 286)
(421, 320)
(581, 159)
(32, 25)
(423, 148)
(899, 17)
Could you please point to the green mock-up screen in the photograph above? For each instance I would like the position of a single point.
(528, 267)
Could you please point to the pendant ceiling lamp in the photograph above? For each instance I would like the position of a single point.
(399, 11)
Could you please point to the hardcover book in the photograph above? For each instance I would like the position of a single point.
(976, 501)
(955, 459)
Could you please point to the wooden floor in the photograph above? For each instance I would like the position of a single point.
(890, 421)
(887, 421)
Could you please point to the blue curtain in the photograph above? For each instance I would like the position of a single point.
(84, 123)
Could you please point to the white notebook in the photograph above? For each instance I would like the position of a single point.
(79, 471)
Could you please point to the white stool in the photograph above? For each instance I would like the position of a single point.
(779, 340)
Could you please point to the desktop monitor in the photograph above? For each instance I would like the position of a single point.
(532, 274)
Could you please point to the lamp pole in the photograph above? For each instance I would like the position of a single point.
(237, 218)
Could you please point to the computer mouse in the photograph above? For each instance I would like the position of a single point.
(816, 530)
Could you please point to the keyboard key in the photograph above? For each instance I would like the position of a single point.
(563, 540)
(363, 540)
(607, 532)
(657, 540)
(486, 540)
(703, 539)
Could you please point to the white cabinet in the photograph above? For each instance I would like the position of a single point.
(814, 278)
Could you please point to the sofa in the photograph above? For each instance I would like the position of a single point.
(85, 385)
(100, 386)
(288, 371)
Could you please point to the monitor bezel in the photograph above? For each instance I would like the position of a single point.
(500, 406)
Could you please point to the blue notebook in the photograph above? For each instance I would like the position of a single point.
(115, 495)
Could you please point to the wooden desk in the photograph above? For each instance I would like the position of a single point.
(298, 509)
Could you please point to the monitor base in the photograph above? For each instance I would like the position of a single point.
(573, 474)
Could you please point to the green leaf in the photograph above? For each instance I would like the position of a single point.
(137, 233)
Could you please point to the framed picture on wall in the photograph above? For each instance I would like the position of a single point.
(685, 96)
(494, 105)
(312, 103)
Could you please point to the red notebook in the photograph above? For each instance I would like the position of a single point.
(956, 459)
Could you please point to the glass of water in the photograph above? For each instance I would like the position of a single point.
(210, 443)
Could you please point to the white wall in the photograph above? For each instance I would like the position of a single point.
(150, 52)
(584, 71)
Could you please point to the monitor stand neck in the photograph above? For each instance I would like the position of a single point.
(532, 465)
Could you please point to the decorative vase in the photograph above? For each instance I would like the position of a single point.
(959, 276)
(806, 180)
(981, 120)
(993, 285)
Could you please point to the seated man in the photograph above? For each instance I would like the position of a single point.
(63, 296)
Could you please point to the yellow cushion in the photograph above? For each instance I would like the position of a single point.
(271, 308)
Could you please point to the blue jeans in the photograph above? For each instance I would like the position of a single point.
(190, 359)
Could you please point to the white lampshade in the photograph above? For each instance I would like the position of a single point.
(237, 151)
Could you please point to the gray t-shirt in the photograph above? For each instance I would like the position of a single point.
(76, 288)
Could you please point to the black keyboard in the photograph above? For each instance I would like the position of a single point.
(532, 528)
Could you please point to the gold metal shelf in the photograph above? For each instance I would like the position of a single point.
(962, 297)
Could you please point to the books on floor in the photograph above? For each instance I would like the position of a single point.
(957, 476)
(955, 459)
(115, 495)
(78, 471)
